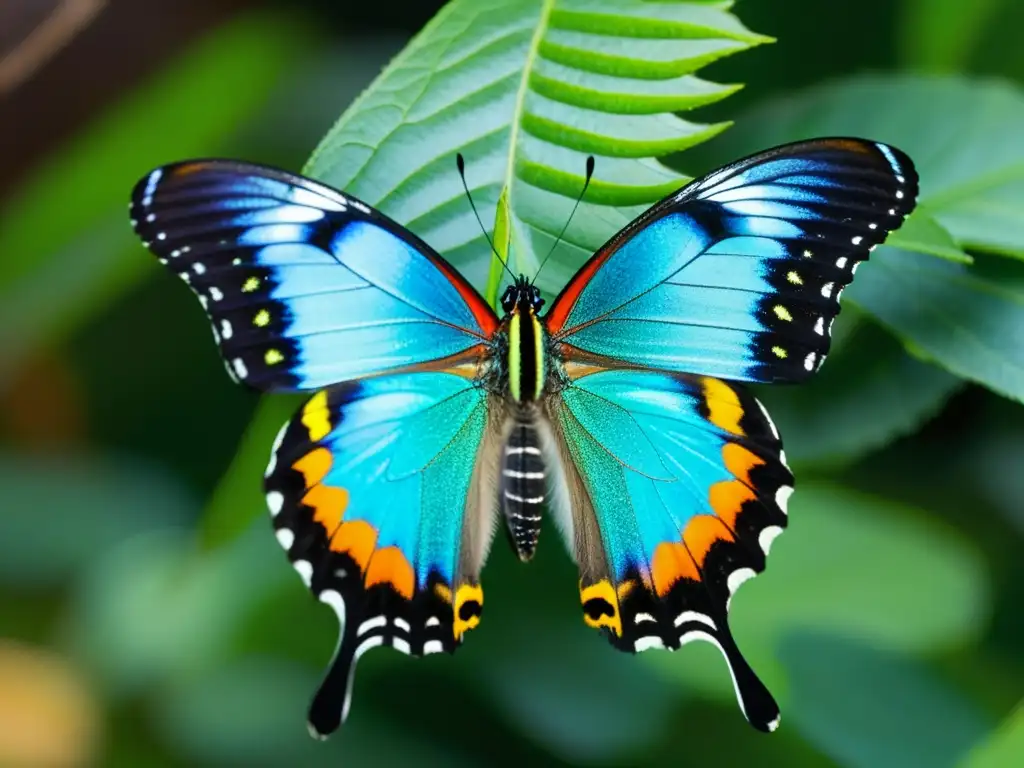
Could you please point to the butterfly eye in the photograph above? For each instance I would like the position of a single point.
(508, 299)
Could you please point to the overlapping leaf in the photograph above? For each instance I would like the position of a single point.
(526, 90)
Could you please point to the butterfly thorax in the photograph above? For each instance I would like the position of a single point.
(526, 361)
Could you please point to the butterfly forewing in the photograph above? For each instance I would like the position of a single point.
(738, 275)
(305, 286)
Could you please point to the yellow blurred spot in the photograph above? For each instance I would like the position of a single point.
(48, 717)
(273, 357)
(262, 319)
(250, 284)
(794, 278)
(782, 313)
(779, 352)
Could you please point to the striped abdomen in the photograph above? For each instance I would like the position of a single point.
(522, 485)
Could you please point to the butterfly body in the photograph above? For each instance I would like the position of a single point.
(620, 411)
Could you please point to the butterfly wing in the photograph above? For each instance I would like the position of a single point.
(382, 492)
(305, 286)
(738, 275)
(677, 487)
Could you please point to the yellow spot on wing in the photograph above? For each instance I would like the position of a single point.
(782, 313)
(262, 319)
(250, 284)
(273, 357)
(779, 352)
(794, 278)
(467, 593)
(603, 592)
(316, 417)
(724, 409)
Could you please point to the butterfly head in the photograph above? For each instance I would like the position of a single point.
(523, 296)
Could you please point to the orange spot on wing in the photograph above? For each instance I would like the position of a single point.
(701, 533)
(443, 592)
(739, 461)
(671, 562)
(314, 466)
(724, 409)
(357, 538)
(329, 505)
(727, 499)
(390, 566)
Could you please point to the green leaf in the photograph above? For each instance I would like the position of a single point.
(61, 512)
(940, 35)
(856, 566)
(868, 708)
(155, 608)
(963, 135)
(1003, 748)
(959, 316)
(238, 498)
(526, 90)
(870, 393)
(68, 245)
(921, 233)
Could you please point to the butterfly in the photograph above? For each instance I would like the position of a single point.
(621, 410)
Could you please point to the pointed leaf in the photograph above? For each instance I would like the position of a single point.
(526, 90)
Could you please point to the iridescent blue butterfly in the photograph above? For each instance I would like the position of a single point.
(615, 410)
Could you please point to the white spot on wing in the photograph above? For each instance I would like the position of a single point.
(841, 262)
(275, 501)
(333, 598)
(402, 624)
(782, 498)
(433, 646)
(371, 624)
(215, 293)
(305, 570)
(400, 645)
(736, 579)
(225, 328)
(285, 537)
(686, 616)
(239, 366)
(767, 537)
(819, 326)
(826, 290)
(646, 643)
(810, 360)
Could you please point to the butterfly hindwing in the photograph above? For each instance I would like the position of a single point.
(738, 275)
(382, 493)
(305, 286)
(678, 487)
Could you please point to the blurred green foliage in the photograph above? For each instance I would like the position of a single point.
(135, 562)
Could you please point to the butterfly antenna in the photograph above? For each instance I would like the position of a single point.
(460, 161)
(586, 183)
